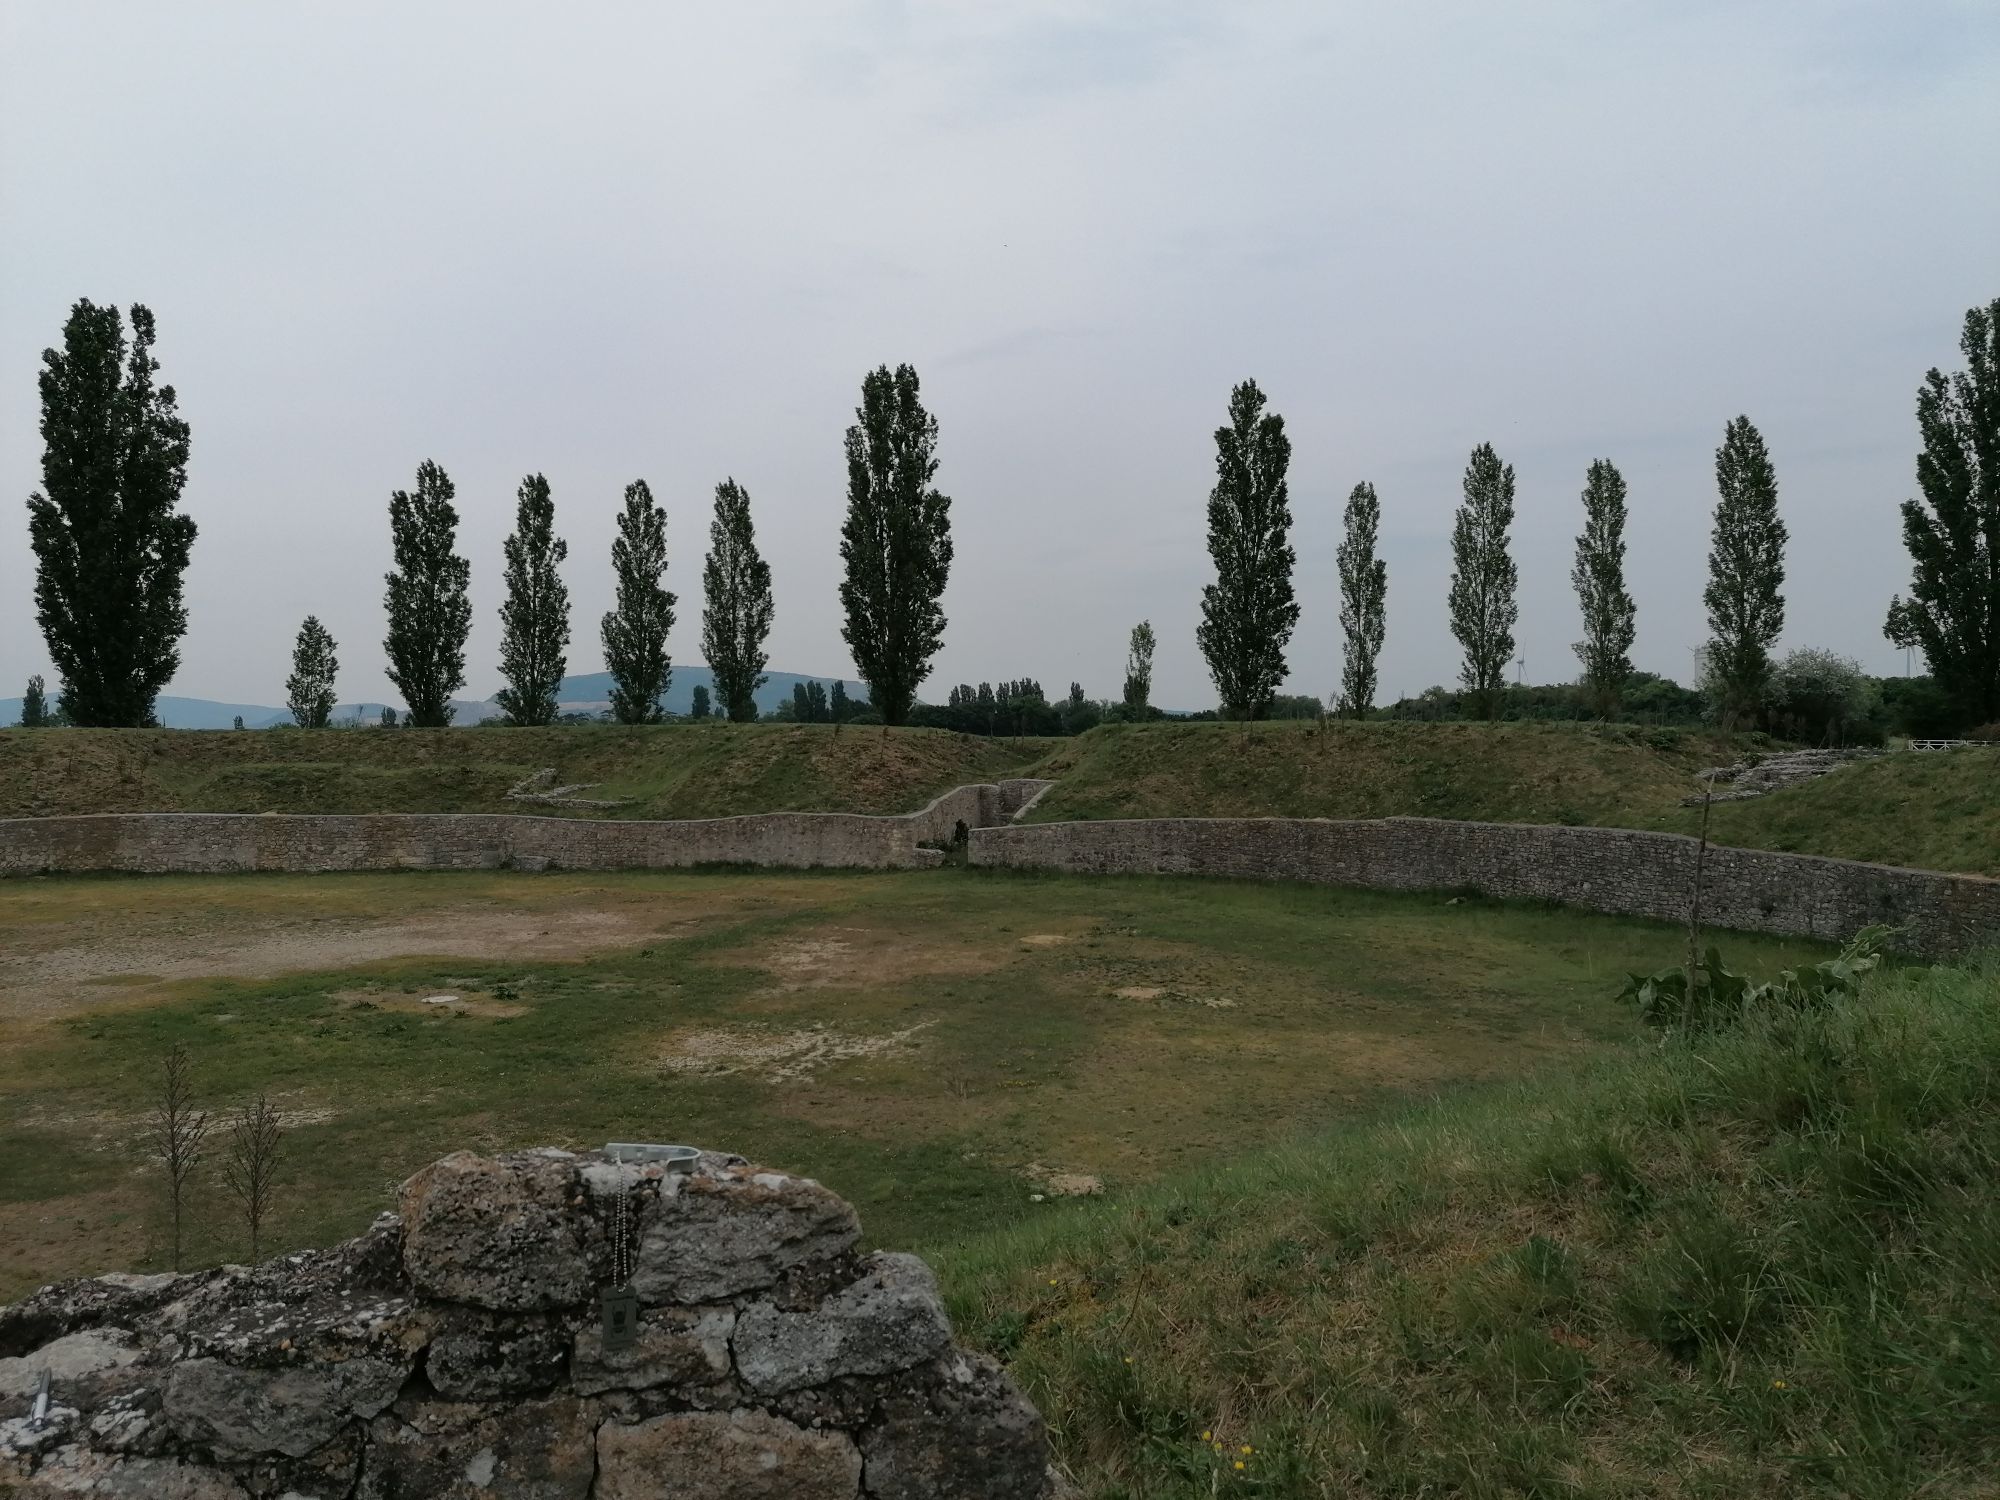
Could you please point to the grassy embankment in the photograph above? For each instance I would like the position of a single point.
(664, 771)
(1933, 811)
(938, 1045)
(1762, 1264)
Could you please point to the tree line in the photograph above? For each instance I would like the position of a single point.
(111, 546)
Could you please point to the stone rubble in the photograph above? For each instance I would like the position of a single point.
(1760, 775)
(454, 1350)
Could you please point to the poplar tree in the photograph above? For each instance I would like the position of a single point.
(736, 604)
(534, 619)
(699, 708)
(1746, 569)
(895, 543)
(309, 690)
(1599, 577)
(1139, 671)
(1364, 591)
(1248, 613)
(635, 631)
(838, 705)
(35, 704)
(110, 546)
(1953, 533)
(429, 613)
(1483, 578)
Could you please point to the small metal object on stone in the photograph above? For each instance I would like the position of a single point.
(678, 1159)
(618, 1304)
(618, 1308)
(40, 1413)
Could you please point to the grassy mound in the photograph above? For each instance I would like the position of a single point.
(1933, 811)
(1936, 811)
(665, 771)
(1762, 1263)
(1517, 773)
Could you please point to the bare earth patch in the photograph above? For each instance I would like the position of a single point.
(1057, 1184)
(850, 956)
(1161, 992)
(435, 1004)
(69, 977)
(777, 1055)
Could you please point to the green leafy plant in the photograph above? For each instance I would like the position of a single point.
(1711, 995)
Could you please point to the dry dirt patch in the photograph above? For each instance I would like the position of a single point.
(1151, 992)
(825, 957)
(1060, 1184)
(74, 976)
(435, 1004)
(717, 1052)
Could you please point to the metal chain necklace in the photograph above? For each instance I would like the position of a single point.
(618, 1308)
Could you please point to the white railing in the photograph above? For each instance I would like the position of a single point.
(1943, 744)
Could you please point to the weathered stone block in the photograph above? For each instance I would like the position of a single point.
(71, 1358)
(497, 1232)
(290, 1410)
(968, 1435)
(443, 1450)
(75, 1472)
(678, 1347)
(890, 1318)
(477, 1356)
(736, 1230)
(724, 1456)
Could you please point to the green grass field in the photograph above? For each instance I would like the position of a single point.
(937, 1046)
(1764, 1263)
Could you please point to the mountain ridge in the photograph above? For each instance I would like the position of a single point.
(580, 691)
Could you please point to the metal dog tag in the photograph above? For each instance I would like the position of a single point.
(618, 1309)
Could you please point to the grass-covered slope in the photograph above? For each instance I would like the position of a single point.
(664, 771)
(1762, 1264)
(1517, 773)
(1936, 811)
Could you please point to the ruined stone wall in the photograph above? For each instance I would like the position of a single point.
(457, 1349)
(1623, 872)
(209, 843)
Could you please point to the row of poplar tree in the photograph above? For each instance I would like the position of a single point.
(111, 547)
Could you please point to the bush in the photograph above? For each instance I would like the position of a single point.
(1821, 698)
(1714, 996)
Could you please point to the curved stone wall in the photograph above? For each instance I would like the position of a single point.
(1618, 871)
(1622, 872)
(216, 843)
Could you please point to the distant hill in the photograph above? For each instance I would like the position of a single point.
(593, 689)
(582, 692)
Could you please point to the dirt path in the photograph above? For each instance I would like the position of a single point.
(70, 976)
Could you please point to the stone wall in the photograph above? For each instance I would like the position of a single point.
(457, 1349)
(1623, 872)
(210, 843)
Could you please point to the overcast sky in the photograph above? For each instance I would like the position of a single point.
(606, 241)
